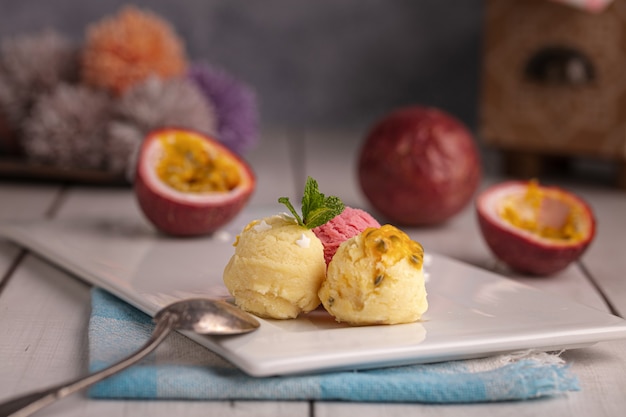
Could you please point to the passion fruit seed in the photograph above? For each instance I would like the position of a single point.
(379, 278)
(381, 245)
(190, 165)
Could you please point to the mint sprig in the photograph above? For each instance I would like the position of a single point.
(317, 209)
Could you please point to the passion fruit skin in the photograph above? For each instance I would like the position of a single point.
(179, 214)
(520, 251)
(419, 166)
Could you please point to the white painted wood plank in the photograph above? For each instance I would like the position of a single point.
(8, 255)
(21, 201)
(77, 407)
(43, 324)
(25, 200)
(97, 202)
(606, 257)
(273, 163)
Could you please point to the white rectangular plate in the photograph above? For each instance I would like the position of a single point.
(472, 313)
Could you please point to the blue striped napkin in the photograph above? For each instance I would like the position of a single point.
(180, 369)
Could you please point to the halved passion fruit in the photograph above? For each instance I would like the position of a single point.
(534, 229)
(190, 184)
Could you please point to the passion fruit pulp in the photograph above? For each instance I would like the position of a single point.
(534, 229)
(188, 183)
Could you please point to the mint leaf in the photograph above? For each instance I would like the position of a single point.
(330, 207)
(317, 209)
(286, 202)
(311, 199)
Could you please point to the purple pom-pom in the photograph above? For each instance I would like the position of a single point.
(235, 106)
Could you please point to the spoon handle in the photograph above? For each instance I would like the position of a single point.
(27, 404)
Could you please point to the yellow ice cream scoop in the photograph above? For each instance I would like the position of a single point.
(376, 277)
(277, 268)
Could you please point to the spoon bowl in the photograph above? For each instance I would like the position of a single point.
(207, 316)
(200, 315)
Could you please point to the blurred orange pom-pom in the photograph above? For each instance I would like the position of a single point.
(123, 50)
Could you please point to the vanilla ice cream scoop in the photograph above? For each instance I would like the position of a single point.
(376, 277)
(277, 268)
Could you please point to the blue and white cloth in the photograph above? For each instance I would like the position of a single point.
(181, 369)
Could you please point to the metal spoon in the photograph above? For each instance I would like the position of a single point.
(202, 316)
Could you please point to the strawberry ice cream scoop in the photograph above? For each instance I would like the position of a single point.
(349, 223)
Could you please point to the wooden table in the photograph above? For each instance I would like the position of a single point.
(44, 310)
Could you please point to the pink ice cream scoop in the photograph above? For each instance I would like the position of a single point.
(349, 223)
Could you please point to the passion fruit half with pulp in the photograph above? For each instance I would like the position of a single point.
(188, 183)
(534, 229)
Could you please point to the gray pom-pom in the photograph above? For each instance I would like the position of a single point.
(32, 65)
(67, 128)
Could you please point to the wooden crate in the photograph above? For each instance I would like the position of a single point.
(554, 83)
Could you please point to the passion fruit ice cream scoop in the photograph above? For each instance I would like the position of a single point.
(376, 277)
(277, 268)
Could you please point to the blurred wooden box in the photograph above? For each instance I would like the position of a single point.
(554, 83)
